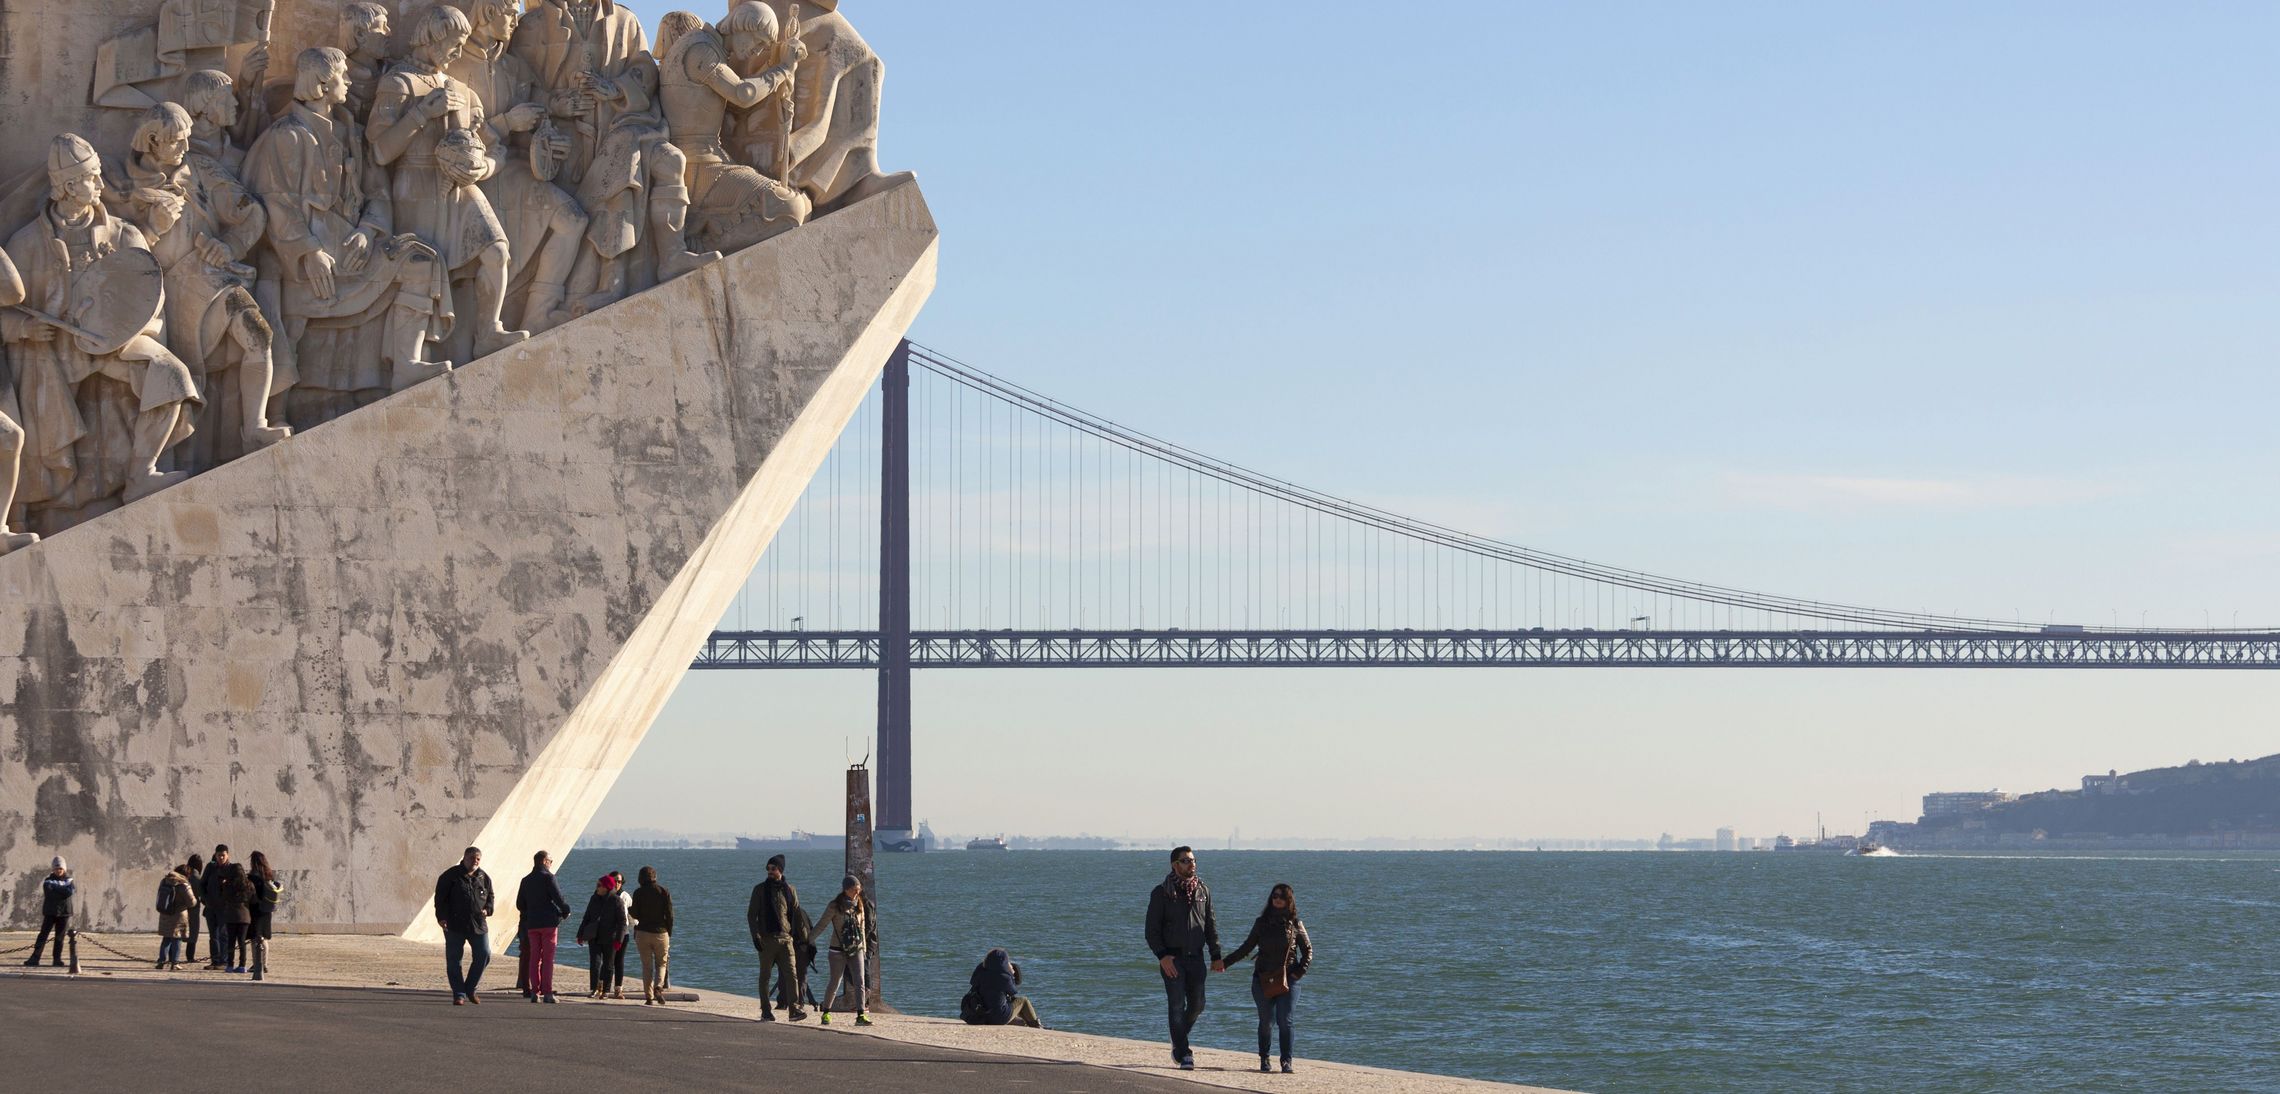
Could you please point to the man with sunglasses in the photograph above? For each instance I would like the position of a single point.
(1180, 928)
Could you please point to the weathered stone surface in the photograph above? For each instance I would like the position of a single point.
(446, 618)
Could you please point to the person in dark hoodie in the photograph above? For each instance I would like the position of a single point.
(56, 893)
(652, 934)
(601, 930)
(1285, 952)
(995, 998)
(774, 915)
(1180, 928)
(540, 903)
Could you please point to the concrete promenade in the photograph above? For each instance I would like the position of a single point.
(378, 1008)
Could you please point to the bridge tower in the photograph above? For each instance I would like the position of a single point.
(894, 827)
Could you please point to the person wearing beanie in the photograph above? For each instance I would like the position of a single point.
(56, 894)
(601, 930)
(850, 922)
(773, 915)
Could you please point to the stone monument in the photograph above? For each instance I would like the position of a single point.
(381, 438)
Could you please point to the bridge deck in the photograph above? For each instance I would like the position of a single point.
(1515, 649)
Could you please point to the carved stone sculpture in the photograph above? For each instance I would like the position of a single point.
(733, 205)
(137, 70)
(591, 56)
(364, 38)
(545, 225)
(834, 153)
(103, 399)
(419, 106)
(359, 299)
(219, 110)
(11, 433)
(212, 322)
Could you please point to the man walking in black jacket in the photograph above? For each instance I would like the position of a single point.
(463, 908)
(774, 915)
(1180, 928)
(540, 902)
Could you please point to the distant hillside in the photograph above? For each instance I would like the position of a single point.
(2195, 799)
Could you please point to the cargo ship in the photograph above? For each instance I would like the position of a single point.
(797, 841)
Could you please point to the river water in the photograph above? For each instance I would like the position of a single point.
(1608, 972)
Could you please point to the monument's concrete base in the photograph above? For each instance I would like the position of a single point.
(446, 618)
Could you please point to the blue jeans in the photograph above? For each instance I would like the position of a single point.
(169, 950)
(1183, 999)
(1276, 1011)
(454, 943)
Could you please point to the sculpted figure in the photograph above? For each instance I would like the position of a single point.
(11, 433)
(137, 69)
(344, 269)
(592, 59)
(733, 205)
(217, 161)
(364, 37)
(544, 224)
(418, 107)
(212, 322)
(91, 312)
(834, 154)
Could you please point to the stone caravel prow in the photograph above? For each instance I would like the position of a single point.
(443, 619)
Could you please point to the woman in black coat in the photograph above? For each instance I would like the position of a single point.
(602, 929)
(996, 998)
(1284, 954)
(261, 909)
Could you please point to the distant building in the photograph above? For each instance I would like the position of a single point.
(1951, 803)
(1726, 840)
(2112, 782)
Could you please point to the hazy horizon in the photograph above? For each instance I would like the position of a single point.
(1948, 307)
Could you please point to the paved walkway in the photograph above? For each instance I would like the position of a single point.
(378, 1005)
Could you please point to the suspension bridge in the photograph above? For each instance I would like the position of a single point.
(965, 521)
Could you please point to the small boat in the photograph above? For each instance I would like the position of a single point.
(986, 843)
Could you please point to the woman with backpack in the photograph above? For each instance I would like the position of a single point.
(848, 921)
(995, 998)
(1284, 954)
(261, 907)
(177, 909)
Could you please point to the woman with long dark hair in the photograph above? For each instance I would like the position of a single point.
(1284, 954)
(850, 923)
(194, 871)
(261, 907)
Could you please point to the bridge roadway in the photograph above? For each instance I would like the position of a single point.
(2057, 649)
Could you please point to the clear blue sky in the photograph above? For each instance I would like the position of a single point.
(1963, 307)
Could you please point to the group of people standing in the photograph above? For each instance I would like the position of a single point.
(781, 931)
(237, 904)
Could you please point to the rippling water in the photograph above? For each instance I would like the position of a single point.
(1611, 972)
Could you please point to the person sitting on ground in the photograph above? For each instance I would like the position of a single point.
(996, 998)
(177, 909)
(600, 931)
